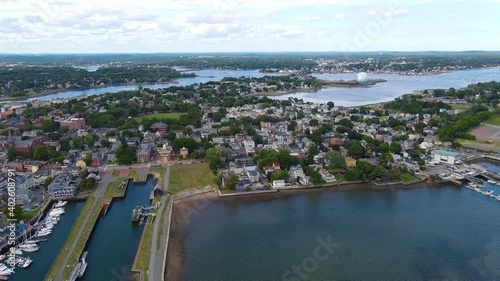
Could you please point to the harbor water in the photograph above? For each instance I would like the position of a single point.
(43, 258)
(115, 240)
(395, 86)
(426, 233)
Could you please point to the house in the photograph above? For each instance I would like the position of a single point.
(350, 162)
(278, 183)
(97, 159)
(445, 156)
(160, 127)
(252, 173)
(298, 173)
(327, 177)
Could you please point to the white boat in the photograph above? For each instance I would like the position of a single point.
(61, 204)
(17, 251)
(6, 272)
(27, 263)
(29, 248)
(491, 181)
(2, 257)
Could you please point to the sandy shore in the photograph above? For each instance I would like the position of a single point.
(179, 224)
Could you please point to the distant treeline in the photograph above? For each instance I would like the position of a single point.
(22, 80)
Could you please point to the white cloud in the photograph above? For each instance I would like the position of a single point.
(340, 16)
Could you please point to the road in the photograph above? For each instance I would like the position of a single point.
(157, 254)
(101, 188)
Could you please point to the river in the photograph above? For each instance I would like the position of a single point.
(43, 258)
(115, 240)
(427, 233)
(395, 86)
(203, 77)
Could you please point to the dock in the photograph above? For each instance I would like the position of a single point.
(80, 267)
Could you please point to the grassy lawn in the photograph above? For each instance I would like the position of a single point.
(169, 115)
(226, 191)
(142, 259)
(87, 229)
(115, 173)
(460, 106)
(407, 177)
(191, 176)
(493, 121)
(58, 262)
(133, 174)
(112, 190)
(29, 215)
(161, 171)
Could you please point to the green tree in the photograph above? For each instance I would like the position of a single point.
(279, 175)
(217, 157)
(232, 181)
(46, 182)
(88, 159)
(355, 150)
(40, 153)
(335, 160)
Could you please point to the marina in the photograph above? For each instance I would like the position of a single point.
(33, 265)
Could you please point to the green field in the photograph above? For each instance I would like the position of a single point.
(169, 115)
(112, 190)
(460, 106)
(191, 176)
(493, 121)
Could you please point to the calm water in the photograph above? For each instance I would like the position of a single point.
(203, 77)
(43, 258)
(395, 86)
(444, 233)
(115, 240)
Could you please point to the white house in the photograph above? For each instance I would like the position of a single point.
(278, 183)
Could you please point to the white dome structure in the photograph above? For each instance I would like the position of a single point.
(362, 77)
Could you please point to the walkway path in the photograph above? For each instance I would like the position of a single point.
(101, 188)
(157, 254)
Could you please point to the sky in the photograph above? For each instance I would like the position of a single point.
(169, 26)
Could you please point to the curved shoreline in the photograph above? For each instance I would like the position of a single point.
(179, 224)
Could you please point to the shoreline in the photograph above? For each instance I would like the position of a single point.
(58, 91)
(179, 225)
(328, 84)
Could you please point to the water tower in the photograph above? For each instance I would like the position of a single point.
(362, 77)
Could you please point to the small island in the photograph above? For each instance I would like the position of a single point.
(352, 83)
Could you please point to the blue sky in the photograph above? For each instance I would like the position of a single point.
(120, 26)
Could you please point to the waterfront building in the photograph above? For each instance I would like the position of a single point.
(278, 183)
(446, 156)
(63, 186)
